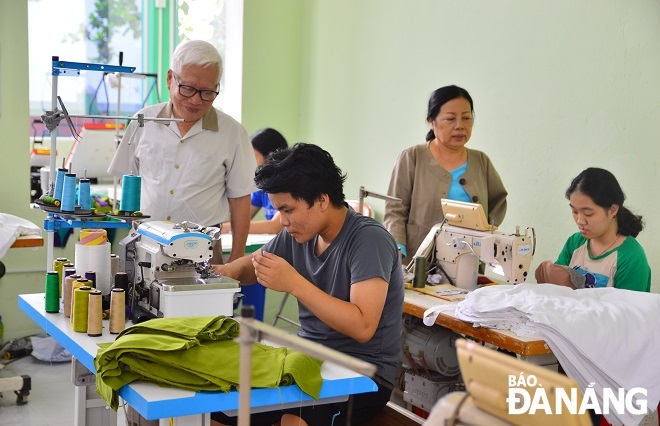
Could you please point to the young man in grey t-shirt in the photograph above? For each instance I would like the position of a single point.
(343, 268)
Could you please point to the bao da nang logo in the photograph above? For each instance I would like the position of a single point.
(527, 396)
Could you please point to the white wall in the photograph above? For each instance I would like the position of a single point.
(558, 86)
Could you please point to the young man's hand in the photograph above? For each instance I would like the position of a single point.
(274, 272)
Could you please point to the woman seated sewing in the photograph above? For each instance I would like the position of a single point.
(605, 252)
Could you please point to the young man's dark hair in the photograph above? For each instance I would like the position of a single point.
(305, 171)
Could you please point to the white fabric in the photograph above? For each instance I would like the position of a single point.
(46, 348)
(12, 227)
(191, 177)
(431, 314)
(606, 336)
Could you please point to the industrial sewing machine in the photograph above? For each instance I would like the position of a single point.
(454, 249)
(456, 246)
(169, 267)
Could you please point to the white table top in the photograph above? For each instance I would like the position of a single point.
(252, 240)
(155, 402)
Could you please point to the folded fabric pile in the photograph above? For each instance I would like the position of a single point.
(603, 337)
(198, 354)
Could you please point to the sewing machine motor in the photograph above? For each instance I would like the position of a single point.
(429, 362)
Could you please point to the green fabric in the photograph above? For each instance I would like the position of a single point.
(297, 364)
(197, 354)
(204, 328)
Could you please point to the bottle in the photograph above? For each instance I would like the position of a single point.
(2, 331)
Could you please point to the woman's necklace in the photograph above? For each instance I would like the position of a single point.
(609, 247)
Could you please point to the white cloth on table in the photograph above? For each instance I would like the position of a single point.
(605, 336)
(432, 313)
(12, 227)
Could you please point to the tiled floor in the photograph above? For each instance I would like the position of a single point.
(50, 402)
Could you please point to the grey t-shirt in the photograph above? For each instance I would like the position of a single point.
(362, 250)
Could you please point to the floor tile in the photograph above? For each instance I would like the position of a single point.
(51, 398)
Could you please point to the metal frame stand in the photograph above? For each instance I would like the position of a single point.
(63, 68)
(253, 331)
(89, 408)
(279, 316)
(364, 193)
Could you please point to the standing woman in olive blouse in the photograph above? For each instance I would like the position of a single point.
(441, 168)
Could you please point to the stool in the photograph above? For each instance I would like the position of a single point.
(279, 316)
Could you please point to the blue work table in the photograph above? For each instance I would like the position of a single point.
(187, 407)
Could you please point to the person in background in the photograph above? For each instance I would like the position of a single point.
(605, 251)
(264, 142)
(342, 267)
(200, 169)
(441, 168)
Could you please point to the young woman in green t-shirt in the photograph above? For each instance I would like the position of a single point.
(605, 252)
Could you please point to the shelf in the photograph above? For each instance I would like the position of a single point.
(54, 222)
(28, 241)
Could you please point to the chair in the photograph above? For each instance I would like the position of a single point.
(279, 316)
(486, 375)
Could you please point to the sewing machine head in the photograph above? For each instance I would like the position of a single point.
(172, 273)
(457, 248)
(173, 242)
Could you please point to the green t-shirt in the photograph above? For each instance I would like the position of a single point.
(622, 267)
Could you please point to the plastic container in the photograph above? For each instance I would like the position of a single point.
(198, 302)
(187, 297)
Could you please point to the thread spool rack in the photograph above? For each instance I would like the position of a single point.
(54, 221)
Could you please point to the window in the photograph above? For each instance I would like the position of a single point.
(220, 22)
(95, 32)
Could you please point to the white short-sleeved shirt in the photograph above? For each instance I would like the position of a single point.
(190, 177)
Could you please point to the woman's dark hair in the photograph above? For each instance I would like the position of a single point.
(305, 171)
(268, 140)
(603, 188)
(440, 97)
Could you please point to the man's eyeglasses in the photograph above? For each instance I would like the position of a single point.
(189, 91)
